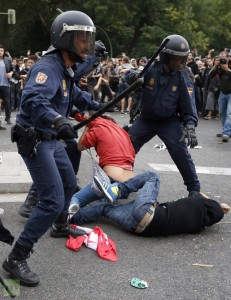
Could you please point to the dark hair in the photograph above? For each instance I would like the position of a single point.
(1, 46)
(108, 118)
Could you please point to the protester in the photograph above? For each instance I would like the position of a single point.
(145, 216)
(115, 151)
(46, 101)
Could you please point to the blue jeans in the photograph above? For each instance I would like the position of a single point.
(85, 196)
(128, 216)
(224, 103)
(55, 181)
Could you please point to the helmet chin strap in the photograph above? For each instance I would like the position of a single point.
(74, 57)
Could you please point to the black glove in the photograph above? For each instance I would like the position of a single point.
(133, 77)
(100, 49)
(190, 134)
(75, 110)
(64, 129)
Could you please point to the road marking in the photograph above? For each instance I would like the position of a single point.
(199, 169)
(9, 198)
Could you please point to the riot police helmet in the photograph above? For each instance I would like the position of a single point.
(176, 46)
(74, 32)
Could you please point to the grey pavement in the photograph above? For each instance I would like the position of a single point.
(14, 176)
(166, 263)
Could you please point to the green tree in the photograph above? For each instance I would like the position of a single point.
(135, 27)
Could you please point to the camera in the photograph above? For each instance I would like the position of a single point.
(223, 61)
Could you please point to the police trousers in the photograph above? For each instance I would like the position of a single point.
(55, 180)
(170, 132)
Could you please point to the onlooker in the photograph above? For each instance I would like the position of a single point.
(14, 87)
(224, 71)
(125, 66)
(212, 91)
(94, 81)
(5, 74)
(107, 74)
(196, 72)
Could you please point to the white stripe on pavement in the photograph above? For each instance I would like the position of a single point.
(199, 169)
(9, 198)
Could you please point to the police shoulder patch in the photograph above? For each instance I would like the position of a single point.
(41, 78)
(190, 90)
(151, 81)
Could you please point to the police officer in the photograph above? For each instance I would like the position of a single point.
(166, 103)
(82, 104)
(41, 124)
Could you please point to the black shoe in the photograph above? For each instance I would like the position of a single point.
(61, 228)
(20, 270)
(31, 200)
(16, 265)
(64, 230)
(193, 194)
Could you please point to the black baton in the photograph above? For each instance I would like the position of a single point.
(154, 57)
(99, 112)
(132, 87)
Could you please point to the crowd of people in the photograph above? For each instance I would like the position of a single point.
(107, 80)
(72, 77)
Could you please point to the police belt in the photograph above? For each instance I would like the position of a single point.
(148, 217)
(41, 135)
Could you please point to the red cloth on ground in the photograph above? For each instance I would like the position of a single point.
(96, 240)
(105, 135)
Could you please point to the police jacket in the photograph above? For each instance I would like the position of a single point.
(49, 91)
(165, 95)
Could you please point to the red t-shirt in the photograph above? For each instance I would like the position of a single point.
(111, 142)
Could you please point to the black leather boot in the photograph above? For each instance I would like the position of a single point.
(30, 202)
(61, 228)
(16, 265)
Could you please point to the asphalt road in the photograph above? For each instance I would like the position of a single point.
(166, 263)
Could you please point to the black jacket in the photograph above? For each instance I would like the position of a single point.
(186, 215)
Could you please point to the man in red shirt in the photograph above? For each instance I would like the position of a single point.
(116, 155)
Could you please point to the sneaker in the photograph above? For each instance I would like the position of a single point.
(225, 138)
(111, 191)
(73, 208)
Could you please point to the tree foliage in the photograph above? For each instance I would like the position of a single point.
(136, 27)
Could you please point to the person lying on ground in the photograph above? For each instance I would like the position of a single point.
(145, 215)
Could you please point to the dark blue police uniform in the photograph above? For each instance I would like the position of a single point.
(166, 104)
(46, 95)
